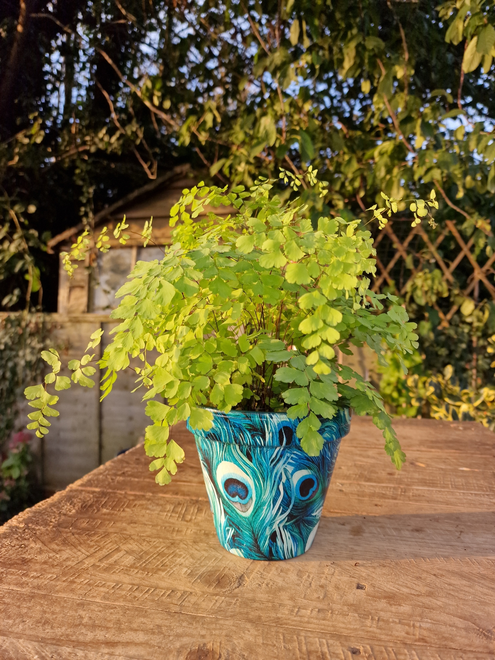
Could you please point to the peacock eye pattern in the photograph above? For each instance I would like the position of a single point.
(236, 486)
(305, 484)
(265, 492)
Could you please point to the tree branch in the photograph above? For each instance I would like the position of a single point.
(154, 164)
(392, 115)
(12, 67)
(360, 202)
(65, 28)
(255, 29)
(284, 121)
(125, 13)
(404, 45)
(113, 114)
(278, 23)
(163, 115)
(451, 204)
(295, 170)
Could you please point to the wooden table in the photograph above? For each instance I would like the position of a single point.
(403, 566)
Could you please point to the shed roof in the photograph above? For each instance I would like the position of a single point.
(132, 201)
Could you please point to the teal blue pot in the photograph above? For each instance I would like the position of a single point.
(265, 492)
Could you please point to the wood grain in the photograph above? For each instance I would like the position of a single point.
(402, 568)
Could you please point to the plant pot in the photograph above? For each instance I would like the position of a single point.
(265, 492)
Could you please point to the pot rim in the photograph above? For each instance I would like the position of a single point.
(341, 422)
(273, 412)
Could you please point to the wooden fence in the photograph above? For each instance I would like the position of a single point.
(88, 432)
(403, 252)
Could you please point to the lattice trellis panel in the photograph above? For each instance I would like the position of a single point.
(403, 252)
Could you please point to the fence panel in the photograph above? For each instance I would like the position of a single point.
(403, 252)
(88, 432)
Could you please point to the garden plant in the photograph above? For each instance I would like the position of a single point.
(246, 312)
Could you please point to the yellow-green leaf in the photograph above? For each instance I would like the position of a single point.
(298, 274)
(294, 32)
(472, 57)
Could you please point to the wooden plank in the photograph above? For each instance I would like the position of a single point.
(63, 288)
(464, 437)
(190, 576)
(159, 203)
(133, 546)
(195, 579)
(364, 446)
(342, 538)
(413, 580)
(73, 292)
(342, 499)
(183, 637)
(12, 648)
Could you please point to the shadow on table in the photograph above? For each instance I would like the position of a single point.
(396, 537)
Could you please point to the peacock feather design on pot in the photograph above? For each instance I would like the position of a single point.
(265, 492)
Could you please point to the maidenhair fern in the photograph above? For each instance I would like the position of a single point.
(248, 311)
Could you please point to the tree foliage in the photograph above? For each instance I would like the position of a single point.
(380, 96)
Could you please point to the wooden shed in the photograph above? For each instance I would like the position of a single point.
(92, 288)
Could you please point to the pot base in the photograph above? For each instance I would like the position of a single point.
(309, 543)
